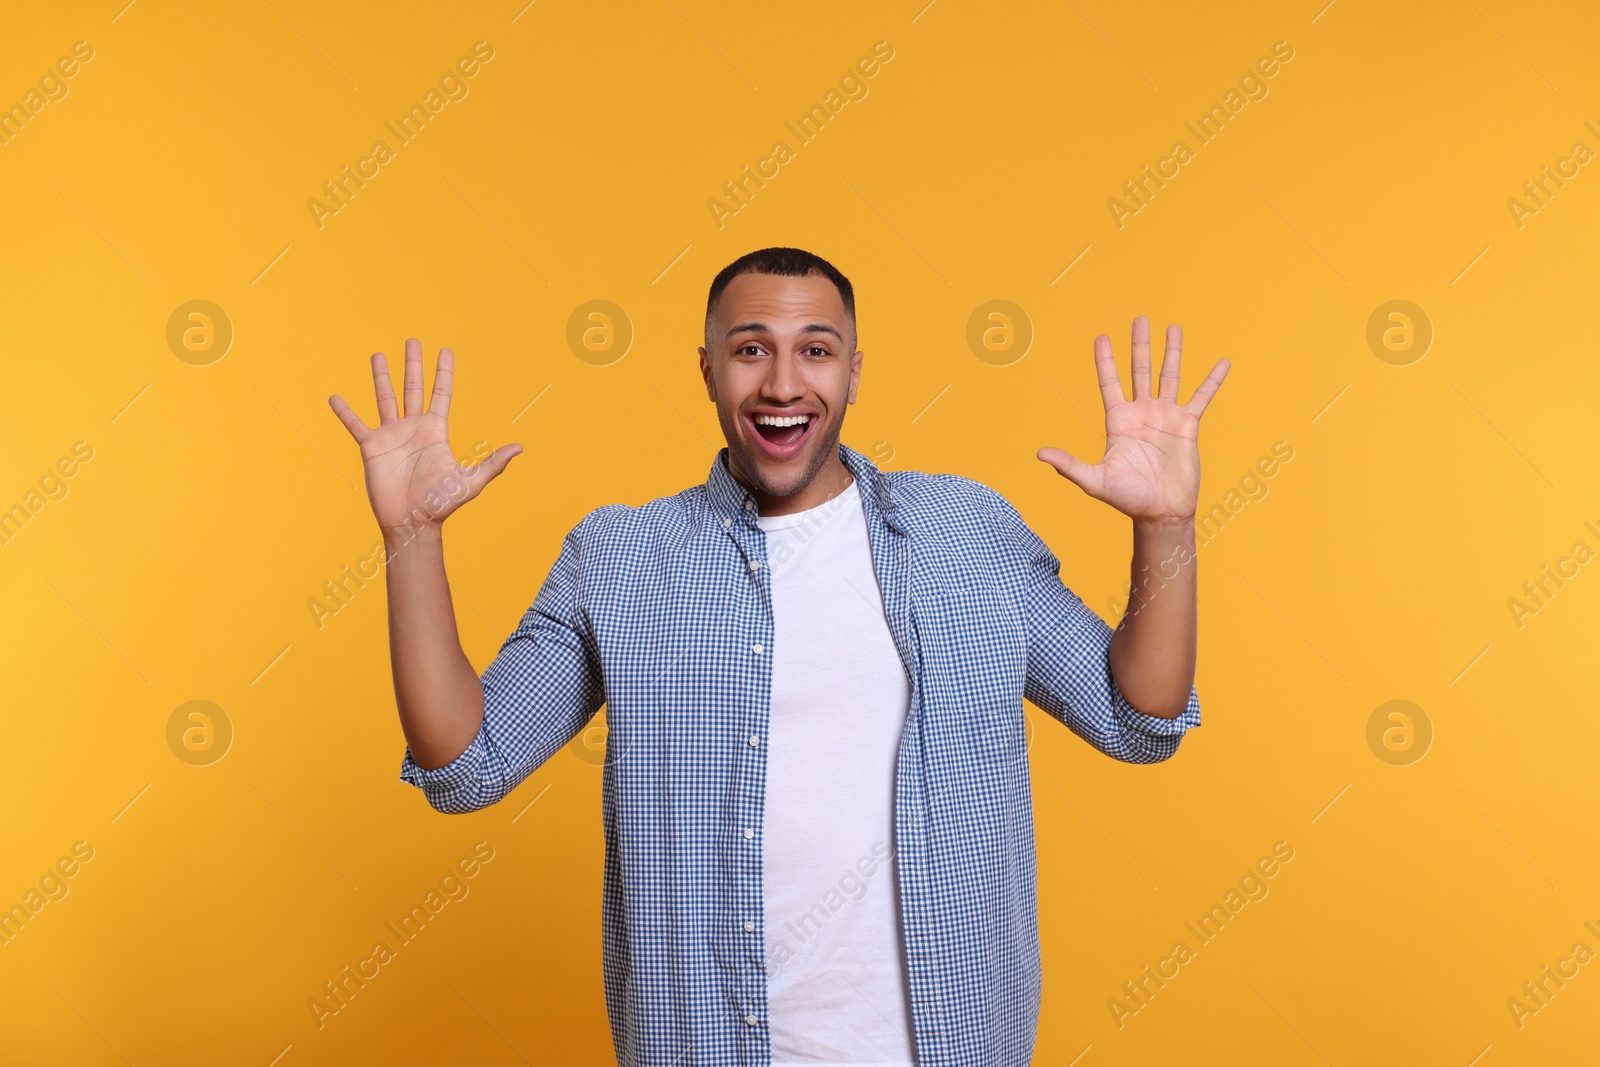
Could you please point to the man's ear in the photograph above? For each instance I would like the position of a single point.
(705, 372)
(855, 374)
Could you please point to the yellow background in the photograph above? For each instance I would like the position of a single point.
(180, 563)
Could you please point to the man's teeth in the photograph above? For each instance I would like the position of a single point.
(782, 420)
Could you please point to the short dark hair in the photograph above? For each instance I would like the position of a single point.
(789, 262)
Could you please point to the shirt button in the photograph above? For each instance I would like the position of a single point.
(726, 523)
(748, 504)
(749, 833)
(755, 564)
(749, 928)
(750, 1020)
(756, 648)
(754, 740)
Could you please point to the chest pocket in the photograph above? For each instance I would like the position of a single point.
(973, 638)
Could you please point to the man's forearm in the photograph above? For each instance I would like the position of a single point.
(438, 693)
(1154, 650)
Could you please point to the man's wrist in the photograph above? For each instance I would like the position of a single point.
(411, 532)
(1170, 524)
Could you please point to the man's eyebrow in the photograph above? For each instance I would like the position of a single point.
(761, 327)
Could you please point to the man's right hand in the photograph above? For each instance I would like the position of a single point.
(413, 479)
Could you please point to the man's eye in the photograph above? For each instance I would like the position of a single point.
(818, 349)
(745, 348)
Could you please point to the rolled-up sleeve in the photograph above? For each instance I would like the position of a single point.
(1069, 657)
(544, 686)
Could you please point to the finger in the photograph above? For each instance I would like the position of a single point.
(1089, 479)
(387, 409)
(481, 474)
(1171, 362)
(413, 382)
(444, 373)
(351, 420)
(1141, 357)
(1106, 369)
(1208, 388)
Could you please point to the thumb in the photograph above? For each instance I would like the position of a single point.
(1071, 468)
(490, 469)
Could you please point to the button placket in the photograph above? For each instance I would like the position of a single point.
(759, 623)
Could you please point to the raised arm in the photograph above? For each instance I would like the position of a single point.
(1151, 473)
(1069, 670)
(414, 483)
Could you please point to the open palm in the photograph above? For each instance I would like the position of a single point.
(1151, 467)
(412, 477)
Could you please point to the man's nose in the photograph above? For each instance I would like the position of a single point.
(784, 381)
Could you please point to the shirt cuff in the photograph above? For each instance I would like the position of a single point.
(1129, 716)
(439, 782)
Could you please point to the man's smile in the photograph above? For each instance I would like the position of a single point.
(781, 433)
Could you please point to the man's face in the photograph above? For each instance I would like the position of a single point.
(784, 348)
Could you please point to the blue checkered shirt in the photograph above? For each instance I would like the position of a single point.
(664, 613)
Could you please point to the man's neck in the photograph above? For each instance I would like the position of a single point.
(833, 479)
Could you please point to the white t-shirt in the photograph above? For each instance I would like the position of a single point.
(836, 980)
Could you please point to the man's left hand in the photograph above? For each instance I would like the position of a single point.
(1151, 468)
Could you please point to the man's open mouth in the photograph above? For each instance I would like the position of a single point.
(782, 435)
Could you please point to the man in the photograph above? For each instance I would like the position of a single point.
(818, 822)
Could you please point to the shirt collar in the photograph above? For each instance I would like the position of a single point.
(730, 500)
